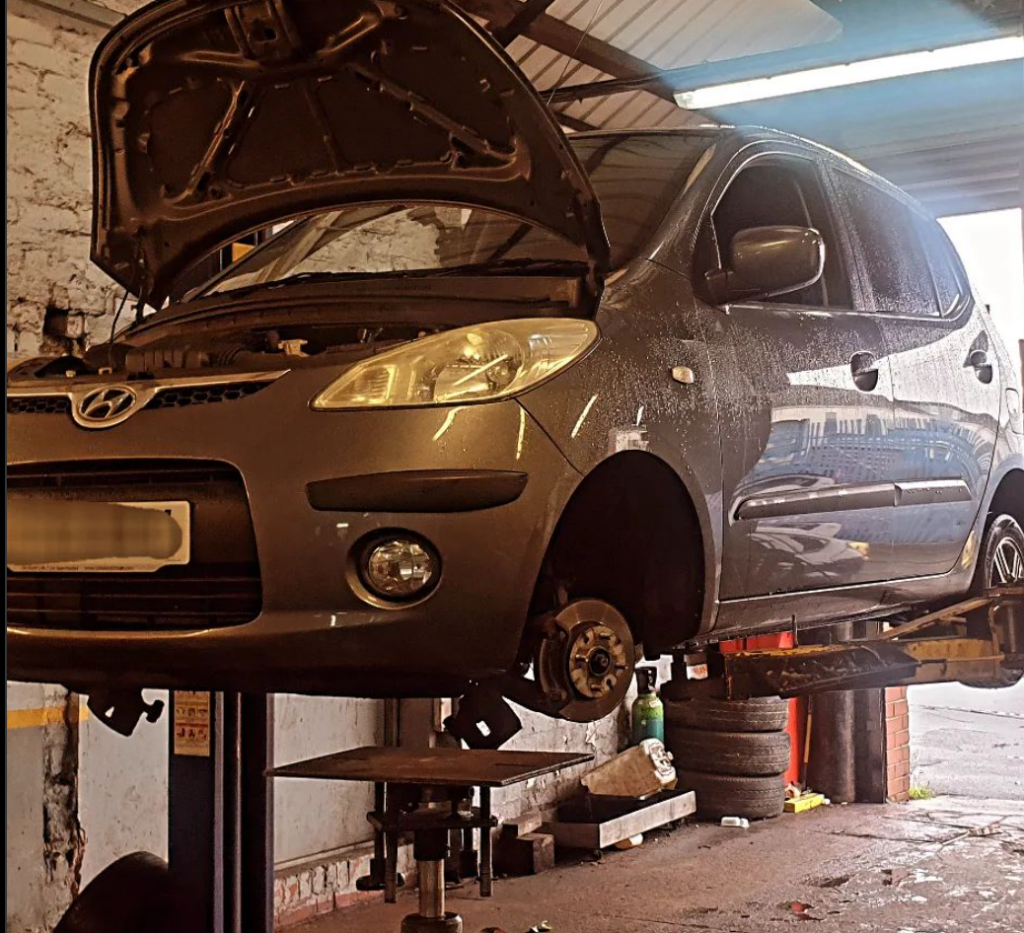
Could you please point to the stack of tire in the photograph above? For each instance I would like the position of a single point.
(732, 753)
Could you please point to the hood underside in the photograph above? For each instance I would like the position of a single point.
(214, 119)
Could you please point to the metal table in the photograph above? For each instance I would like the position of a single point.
(429, 792)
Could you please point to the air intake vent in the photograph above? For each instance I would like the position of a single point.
(220, 585)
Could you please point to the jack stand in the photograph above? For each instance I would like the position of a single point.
(430, 847)
(429, 793)
(378, 877)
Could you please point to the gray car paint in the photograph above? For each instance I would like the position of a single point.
(320, 633)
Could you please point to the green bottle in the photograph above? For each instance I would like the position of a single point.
(648, 713)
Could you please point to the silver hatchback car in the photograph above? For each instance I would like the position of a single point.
(470, 402)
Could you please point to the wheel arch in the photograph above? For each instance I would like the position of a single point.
(1008, 497)
(631, 533)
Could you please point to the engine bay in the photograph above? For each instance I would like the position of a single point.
(244, 350)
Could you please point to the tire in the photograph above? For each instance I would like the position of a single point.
(744, 754)
(1003, 534)
(1009, 678)
(762, 714)
(132, 895)
(718, 795)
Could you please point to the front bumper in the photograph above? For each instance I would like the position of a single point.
(315, 633)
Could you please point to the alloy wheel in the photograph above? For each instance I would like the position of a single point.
(1007, 563)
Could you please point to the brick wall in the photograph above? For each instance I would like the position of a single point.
(49, 184)
(897, 744)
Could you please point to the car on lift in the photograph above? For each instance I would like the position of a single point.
(473, 403)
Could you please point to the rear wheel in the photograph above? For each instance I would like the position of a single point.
(1000, 564)
(1002, 555)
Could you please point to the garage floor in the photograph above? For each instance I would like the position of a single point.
(954, 863)
(867, 868)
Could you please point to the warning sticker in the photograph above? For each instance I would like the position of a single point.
(192, 723)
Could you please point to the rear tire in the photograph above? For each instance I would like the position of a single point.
(718, 795)
(132, 895)
(1001, 561)
(761, 714)
(744, 754)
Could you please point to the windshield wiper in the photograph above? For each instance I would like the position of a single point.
(503, 266)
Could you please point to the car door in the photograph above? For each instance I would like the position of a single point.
(945, 384)
(806, 404)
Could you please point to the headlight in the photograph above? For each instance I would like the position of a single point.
(471, 364)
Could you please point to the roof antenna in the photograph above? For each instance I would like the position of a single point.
(569, 58)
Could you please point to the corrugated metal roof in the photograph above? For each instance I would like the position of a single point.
(953, 140)
(667, 34)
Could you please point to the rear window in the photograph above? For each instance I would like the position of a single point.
(636, 178)
(949, 278)
(893, 256)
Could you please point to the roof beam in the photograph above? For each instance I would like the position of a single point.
(573, 123)
(521, 21)
(568, 40)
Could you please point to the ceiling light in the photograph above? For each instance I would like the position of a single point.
(862, 72)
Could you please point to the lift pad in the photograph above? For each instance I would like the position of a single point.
(979, 641)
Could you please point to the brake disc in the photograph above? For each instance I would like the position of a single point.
(586, 659)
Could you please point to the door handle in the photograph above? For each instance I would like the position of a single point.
(864, 367)
(979, 362)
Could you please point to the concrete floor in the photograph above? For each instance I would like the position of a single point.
(952, 864)
(968, 742)
(946, 865)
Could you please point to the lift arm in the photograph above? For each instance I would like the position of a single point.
(979, 641)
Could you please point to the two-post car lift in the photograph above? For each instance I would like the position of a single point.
(220, 813)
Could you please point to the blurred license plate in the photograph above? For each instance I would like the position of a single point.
(46, 535)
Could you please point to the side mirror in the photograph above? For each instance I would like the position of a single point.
(768, 261)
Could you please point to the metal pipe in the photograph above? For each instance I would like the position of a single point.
(431, 888)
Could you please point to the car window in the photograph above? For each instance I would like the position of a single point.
(788, 192)
(950, 282)
(895, 263)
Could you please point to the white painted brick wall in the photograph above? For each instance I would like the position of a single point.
(49, 185)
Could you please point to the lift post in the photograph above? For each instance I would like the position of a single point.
(979, 641)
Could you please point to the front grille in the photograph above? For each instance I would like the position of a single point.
(171, 598)
(38, 405)
(220, 586)
(181, 396)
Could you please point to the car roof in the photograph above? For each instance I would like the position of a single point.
(753, 133)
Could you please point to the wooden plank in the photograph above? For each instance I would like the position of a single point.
(601, 835)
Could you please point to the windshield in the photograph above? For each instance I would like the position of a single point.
(636, 178)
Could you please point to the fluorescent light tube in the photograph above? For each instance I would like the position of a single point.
(862, 72)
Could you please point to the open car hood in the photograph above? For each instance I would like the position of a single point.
(213, 119)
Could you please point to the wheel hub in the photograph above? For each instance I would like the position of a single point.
(597, 659)
(586, 660)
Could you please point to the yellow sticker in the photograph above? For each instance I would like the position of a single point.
(192, 723)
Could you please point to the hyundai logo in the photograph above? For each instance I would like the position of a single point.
(103, 408)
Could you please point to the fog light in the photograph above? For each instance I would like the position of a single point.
(399, 568)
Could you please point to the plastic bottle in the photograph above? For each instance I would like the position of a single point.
(648, 712)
